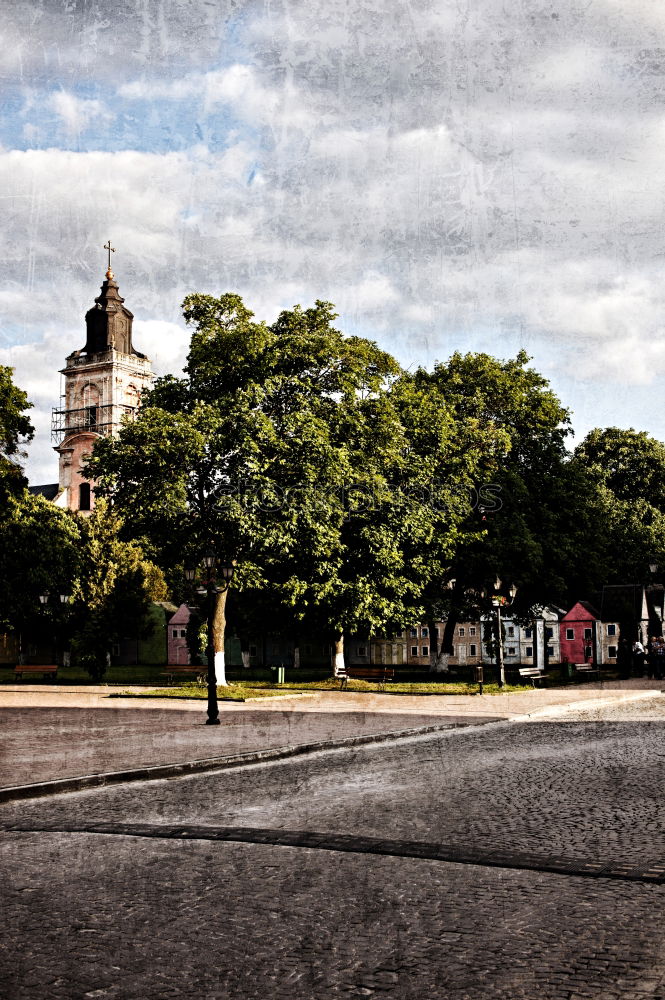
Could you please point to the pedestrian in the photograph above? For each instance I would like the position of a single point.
(660, 659)
(651, 656)
(638, 659)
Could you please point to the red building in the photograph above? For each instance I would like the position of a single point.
(177, 637)
(577, 631)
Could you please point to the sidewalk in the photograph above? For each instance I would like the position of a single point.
(52, 733)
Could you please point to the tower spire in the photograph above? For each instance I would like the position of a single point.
(109, 272)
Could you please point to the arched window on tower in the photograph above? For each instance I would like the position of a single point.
(84, 496)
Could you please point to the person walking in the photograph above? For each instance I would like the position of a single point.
(638, 659)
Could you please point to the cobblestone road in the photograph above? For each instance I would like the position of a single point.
(44, 734)
(130, 917)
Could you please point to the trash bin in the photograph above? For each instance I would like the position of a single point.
(568, 671)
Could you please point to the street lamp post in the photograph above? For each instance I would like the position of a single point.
(64, 601)
(498, 601)
(210, 589)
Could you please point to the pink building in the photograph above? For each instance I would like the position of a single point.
(178, 651)
(577, 631)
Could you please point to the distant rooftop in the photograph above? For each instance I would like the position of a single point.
(49, 491)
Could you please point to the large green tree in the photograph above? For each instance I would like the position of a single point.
(39, 554)
(627, 468)
(535, 515)
(277, 448)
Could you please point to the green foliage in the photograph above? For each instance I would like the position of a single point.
(542, 534)
(39, 553)
(113, 591)
(627, 468)
(278, 447)
(15, 429)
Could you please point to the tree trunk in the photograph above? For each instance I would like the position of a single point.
(438, 659)
(218, 636)
(447, 647)
(339, 665)
(244, 652)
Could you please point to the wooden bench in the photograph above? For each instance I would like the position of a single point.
(46, 669)
(185, 670)
(587, 668)
(381, 674)
(532, 673)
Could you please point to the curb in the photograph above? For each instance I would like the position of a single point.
(40, 789)
(581, 706)
(14, 793)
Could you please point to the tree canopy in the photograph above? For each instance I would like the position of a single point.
(15, 430)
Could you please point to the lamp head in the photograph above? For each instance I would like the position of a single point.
(209, 559)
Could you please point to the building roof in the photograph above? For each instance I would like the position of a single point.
(181, 617)
(581, 611)
(49, 491)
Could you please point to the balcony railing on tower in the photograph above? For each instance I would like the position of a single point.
(98, 419)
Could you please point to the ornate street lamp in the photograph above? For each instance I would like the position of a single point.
(498, 601)
(209, 588)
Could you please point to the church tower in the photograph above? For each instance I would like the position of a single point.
(103, 383)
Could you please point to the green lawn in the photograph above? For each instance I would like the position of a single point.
(263, 689)
(228, 692)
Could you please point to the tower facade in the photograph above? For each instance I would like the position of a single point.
(103, 384)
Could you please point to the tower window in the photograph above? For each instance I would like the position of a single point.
(92, 416)
(84, 496)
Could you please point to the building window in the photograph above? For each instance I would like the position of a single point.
(550, 650)
(472, 630)
(414, 651)
(461, 632)
(175, 633)
(549, 633)
(527, 634)
(528, 651)
(362, 650)
(611, 630)
(436, 631)
(587, 633)
(612, 652)
(570, 633)
(588, 653)
(425, 651)
(414, 633)
(473, 649)
(84, 496)
(511, 650)
(183, 633)
(424, 633)
(510, 631)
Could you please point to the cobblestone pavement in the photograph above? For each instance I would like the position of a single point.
(49, 732)
(124, 919)
(129, 917)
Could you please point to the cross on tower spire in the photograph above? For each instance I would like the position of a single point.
(107, 246)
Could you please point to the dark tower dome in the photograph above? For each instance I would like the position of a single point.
(109, 322)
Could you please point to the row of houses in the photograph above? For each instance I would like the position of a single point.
(589, 632)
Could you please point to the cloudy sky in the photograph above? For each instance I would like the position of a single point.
(452, 174)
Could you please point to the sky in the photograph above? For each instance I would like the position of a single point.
(454, 175)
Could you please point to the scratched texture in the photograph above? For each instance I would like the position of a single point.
(453, 174)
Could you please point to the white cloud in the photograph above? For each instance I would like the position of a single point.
(76, 113)
(448, 174)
